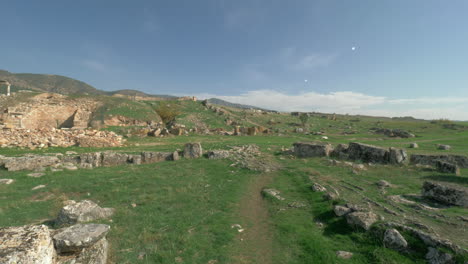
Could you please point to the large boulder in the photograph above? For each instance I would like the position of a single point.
(83, 211)
(393, 239)
(397, 156)
(367, 153)
(30, 162)
(77, 237)
(312, 149)
(153, 157)
(450, 194)
(193, 150)
(362, 219)
(446, 167)
(461, 161)
(26, 245)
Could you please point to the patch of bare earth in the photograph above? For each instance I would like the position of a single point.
(255, 243)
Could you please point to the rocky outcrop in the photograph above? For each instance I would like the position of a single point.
(444, 147)
(459, 160)
(312, 149)
(361, 219)
(318, 188)
(394, 133)
(367, 153)
(78, 237)
(341, 210)
(397, 156)
(393, 239)
(446, 167)
(193, 150)
(95, 254)
(26, 244)
(84, 211)
(450, 194)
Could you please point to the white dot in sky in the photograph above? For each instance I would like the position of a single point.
(305, 80)
(353, 48)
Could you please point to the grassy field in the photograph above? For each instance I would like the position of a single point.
(185, 209)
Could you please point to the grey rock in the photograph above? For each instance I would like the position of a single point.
(383, 184)
(26, 245)
(77, 237)
(36, 174)
(367, 153)
(272, 193)
(344, 254)
(193, 150)
(393, 239)
(450, 194)
(446, 167)
(444, 147)
(361, 219)
(341, 210)
(297, 204)
(397, 156)
(341, 151)
(153, 157)
(318, 188)
(331, 196)
(312, 149)
(6, 181)
(38, 187)
(90, 160)
(414, 145)
(218, 154)
(114, 159)
(434, 256)
(83, 211)
(461, 161)
(394, 133)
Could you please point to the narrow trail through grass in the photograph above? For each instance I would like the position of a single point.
(255, 243)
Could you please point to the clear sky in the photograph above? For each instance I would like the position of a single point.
(385, 57)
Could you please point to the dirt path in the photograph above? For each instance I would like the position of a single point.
(255, 243)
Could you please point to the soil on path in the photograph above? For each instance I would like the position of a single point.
(255, 243)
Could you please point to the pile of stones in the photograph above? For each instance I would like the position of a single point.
(75, 242)
(51, 137)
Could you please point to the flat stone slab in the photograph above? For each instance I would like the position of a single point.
(83, 211)
(6, 181)
(361, 219)
(77, 237)
(446, 193)
(36, 174)
(26, 244)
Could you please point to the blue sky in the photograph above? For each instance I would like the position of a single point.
(410, 57)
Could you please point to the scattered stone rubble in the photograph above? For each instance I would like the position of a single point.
(51, 137)
(353, 151)
(78, 244)
(272, 193)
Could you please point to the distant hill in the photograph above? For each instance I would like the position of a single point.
(48, 83)
(234, 105)
(130, 92)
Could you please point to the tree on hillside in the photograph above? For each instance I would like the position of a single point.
(167, 112)
(304, 117)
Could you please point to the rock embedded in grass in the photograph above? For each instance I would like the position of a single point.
(444, 147)
(272, 193)
(193, 150)
(393, 239)
(83, 211)
(341, 210)
(344, 254)
(6, 181)
(414, 145)
(218, 154)
(383, 184)
(434, 256)
(318, 188)
(362, 219)
(312, 149)
(450, 194)
(36, 174)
